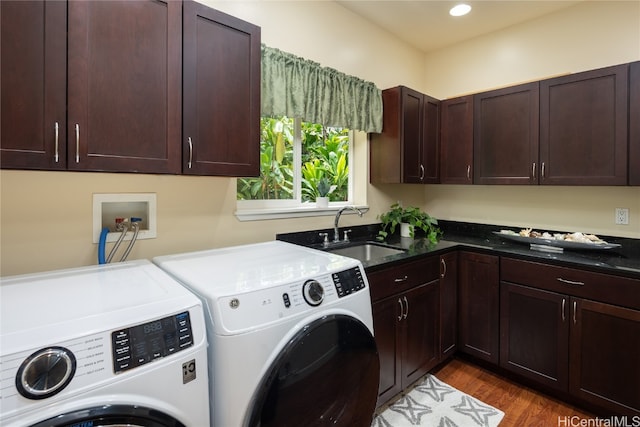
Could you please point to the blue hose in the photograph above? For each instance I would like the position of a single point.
(102, 244)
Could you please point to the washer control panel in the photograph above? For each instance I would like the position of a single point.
(242, 312)
(348, 281)
(140, 344)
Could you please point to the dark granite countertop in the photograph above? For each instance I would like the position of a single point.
(622, 261)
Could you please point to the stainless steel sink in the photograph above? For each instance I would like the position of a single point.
(366, 251)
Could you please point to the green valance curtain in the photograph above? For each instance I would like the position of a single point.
(296, 87)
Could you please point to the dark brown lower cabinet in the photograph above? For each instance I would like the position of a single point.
(534, 334)
(478, 305)
(387, 335)
(569, 330)
(605, 356)
(420, 336)
(553, 332)
(406, 323)
(448, 304)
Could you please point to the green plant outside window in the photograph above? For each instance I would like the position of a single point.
(324, 156)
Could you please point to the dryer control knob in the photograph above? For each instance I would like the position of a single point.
(46, 372)
(313, 292)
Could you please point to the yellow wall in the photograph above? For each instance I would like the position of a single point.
(46, 217)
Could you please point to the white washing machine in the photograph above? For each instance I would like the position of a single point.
(119, 344)
(290, 332)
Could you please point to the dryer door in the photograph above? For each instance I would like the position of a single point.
(112, 415)
(326, 375)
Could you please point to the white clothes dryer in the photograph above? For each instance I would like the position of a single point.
(290, 332)
(117, 344)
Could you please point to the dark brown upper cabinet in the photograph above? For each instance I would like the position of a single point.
(583, 128)
(407, 150)
(107, 95)
(221, 99)
(456, 140)
(505, 125)
(124, 86)
(634, 123)
(33, 84)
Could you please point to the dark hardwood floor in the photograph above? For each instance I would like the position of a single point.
(522, 406)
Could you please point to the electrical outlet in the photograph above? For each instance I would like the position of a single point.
(622, 216)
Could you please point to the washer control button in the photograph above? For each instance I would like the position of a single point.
(45, 373)
(313, 292)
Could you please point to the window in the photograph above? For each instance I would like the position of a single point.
(295, 157)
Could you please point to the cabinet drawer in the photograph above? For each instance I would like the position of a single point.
(399, 278)
(602, 287)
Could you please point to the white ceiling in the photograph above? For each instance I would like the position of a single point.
(427, 25)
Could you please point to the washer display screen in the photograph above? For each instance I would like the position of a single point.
(140, 344)
(348, 281)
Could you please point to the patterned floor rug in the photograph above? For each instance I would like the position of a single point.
(436, 404)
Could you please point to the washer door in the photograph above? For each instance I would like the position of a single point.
(327, 374)
(113, 416)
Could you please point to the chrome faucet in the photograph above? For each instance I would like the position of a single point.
(336, 232)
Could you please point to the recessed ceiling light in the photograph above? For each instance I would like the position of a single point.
(459, 10)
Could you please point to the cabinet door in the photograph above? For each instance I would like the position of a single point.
(634, 123)
(430, 146)
(33, 84)
(534, 334)
(583, 128)
(448, 304)
(604, 356)
(385, 149)
(412, 119)
(506, 135)
(221, 102)
(124, 86)
(407, 149)
(456, 140)
(420, 331)
(386, 315)
(478, 305)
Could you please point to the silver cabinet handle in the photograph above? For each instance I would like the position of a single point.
(400, 279)
(575, 309)
(542, 172)
(569, 282)
(443, 263)
(401, 309)
(77, 143)
(468, 172)
(406, 303)
(190, 152)
(56, 157)
(564, 301)
(533, 170)
(421, 172)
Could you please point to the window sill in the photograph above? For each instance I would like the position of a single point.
(294, 212)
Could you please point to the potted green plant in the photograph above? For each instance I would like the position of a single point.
(324, 188)
(413, 218)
